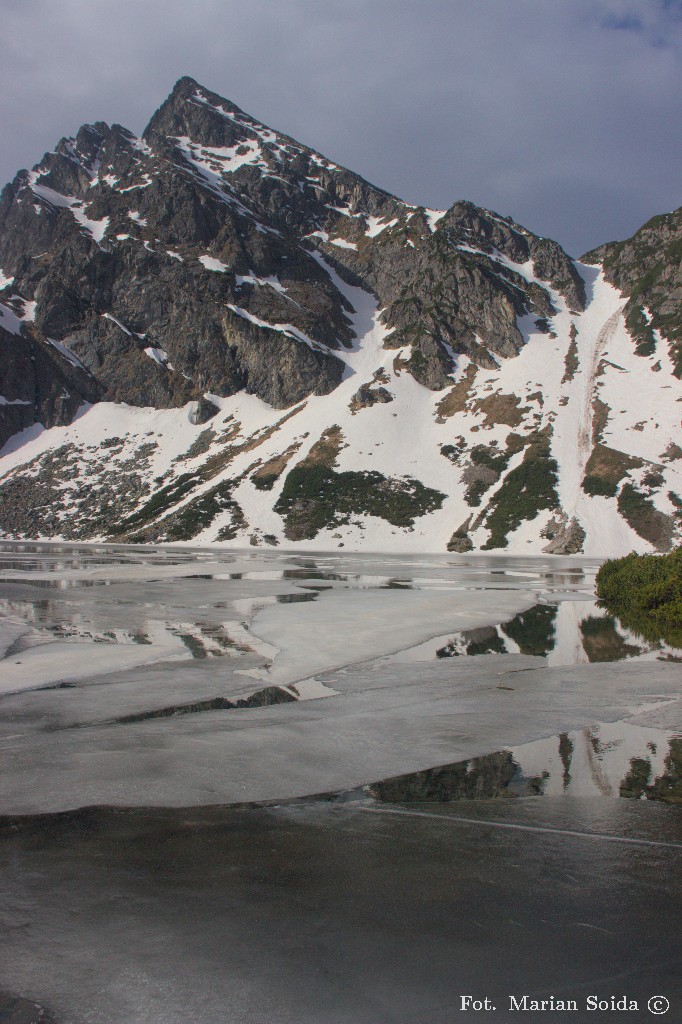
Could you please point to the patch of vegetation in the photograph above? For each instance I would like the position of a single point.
(596, 485)
(527, 489)
(266, 481)
(315, 496)
(417, 362)
(487, 466)
(515, 443)
(500, 408)
(454, 450)
(645, 592)
(238, 522)
(600, 418)
(159, 503)
(478, 479)
(326, 449)
(484, 455)
(222, 458)
(571, 362)
(456, 398)
(199, 446)
(201, 512)
(645, 519)
(672, 453)
(653, 479)
(605, 469)
(640, 330)
(269, 473)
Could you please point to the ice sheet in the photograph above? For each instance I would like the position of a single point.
(145, 631)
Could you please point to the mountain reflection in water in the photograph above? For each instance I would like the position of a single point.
(565, 633)
(606, 760)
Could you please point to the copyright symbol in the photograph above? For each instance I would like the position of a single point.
(658, 1004)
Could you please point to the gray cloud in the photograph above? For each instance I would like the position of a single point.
(563, 115)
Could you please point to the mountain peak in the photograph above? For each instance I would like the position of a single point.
(184, 85)
(190, 109)
(221, 263)
(187, 88)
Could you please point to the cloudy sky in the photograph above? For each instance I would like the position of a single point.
(564, 114)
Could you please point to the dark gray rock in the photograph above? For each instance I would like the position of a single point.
(205, 410)
(39, 384)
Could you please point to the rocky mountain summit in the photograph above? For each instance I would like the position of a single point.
(214, 333)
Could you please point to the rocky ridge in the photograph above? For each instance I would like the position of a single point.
(266, 347)
(648, 269)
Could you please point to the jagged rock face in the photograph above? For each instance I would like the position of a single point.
(452, 381)
(458, 296)
(648, 268)
(39, 383)
(150, 273)
(184, 262)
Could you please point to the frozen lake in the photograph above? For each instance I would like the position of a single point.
(171, 719)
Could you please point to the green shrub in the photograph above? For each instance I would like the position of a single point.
(484, 455)
(598, 485)
(474, 492)
(645, 592)
(265, 482)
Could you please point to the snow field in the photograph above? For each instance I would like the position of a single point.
(403, 437)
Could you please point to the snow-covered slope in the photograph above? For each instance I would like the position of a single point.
(298, 358)
(556, 390)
